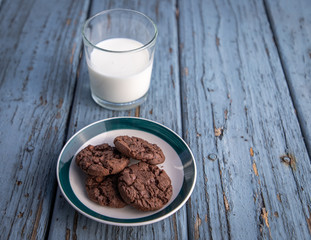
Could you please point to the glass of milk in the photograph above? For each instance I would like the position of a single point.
(119, 47)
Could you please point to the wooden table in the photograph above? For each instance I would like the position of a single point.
(233, 78)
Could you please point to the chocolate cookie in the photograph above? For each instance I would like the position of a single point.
(139, 149)
(145, 187)
(101, 160)
(104, 191)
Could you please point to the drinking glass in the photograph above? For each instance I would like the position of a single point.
(119, 48)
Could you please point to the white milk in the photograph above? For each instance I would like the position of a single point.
(119, 77)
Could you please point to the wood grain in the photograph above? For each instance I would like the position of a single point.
(36, 89)
(163, 105)
(290, 22)
(237, 99)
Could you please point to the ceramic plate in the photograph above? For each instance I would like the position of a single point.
(179, 165)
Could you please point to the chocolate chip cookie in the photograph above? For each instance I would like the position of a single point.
(101, 160)
(145, 187)
(139, 149)
(104, 191)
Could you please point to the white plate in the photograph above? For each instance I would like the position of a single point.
(179, 165)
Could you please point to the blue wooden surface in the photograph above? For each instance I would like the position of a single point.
(290, 20)
(247, 119)
(231, 77)
(40, 47)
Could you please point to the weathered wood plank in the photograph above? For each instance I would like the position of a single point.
(40, 44)
(291, 22)
(163, 105)
(238, 106)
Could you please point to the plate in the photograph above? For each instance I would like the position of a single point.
(179, 165)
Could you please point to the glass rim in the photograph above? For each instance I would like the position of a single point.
(148, 44)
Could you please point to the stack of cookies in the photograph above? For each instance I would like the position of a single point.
(113, 182)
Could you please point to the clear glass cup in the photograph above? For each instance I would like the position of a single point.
(119, 47)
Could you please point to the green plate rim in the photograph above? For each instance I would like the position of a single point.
(135, 123)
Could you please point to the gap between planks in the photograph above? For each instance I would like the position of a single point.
(276, 43)
(88, 11)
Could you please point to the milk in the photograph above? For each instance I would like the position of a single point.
(119, 77)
